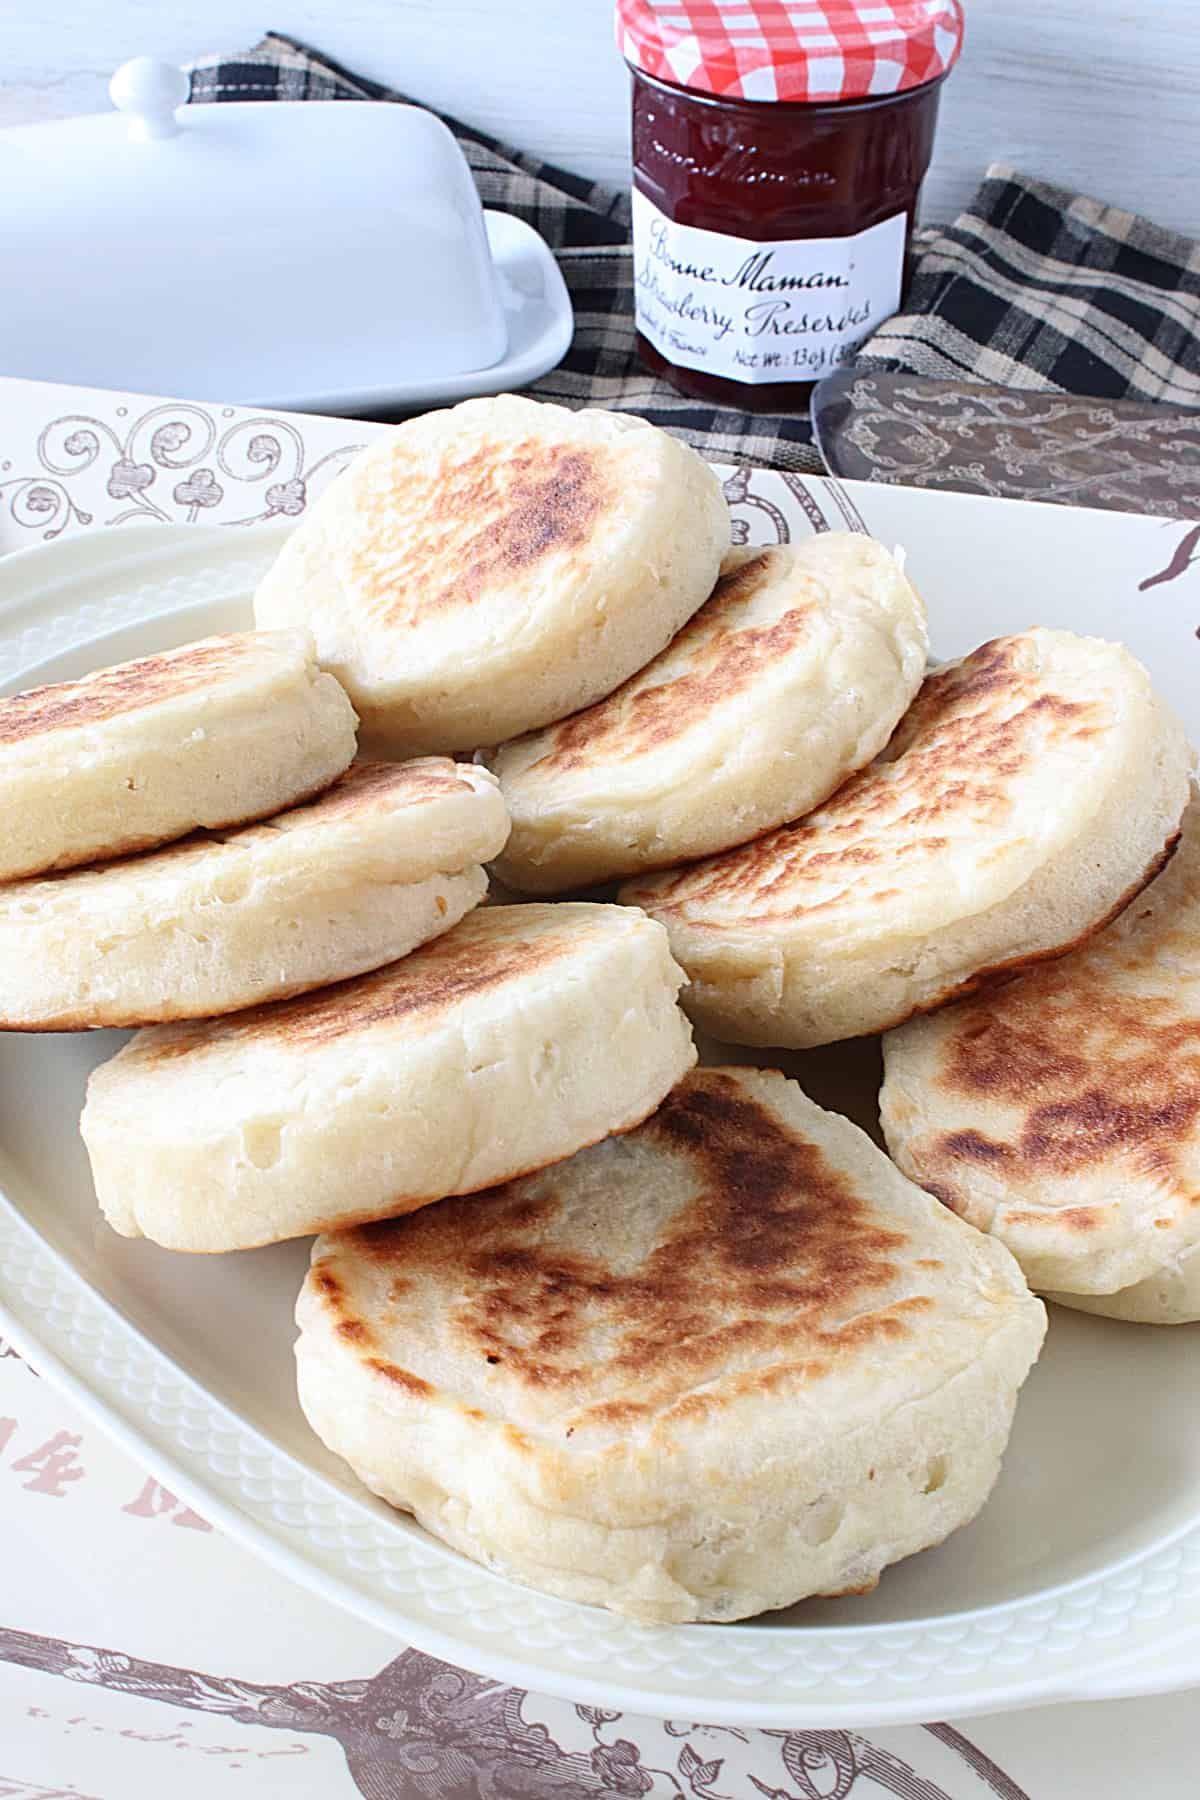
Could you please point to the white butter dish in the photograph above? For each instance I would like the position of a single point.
(325, 257)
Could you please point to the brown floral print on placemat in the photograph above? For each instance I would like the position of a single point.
(421, 1730)
(1011, 444)
(211, 453)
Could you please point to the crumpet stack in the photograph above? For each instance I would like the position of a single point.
(386, 859)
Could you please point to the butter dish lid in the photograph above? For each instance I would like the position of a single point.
(260, 252)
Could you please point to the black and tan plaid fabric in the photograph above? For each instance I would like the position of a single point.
(1039, 288)
(1032, 287)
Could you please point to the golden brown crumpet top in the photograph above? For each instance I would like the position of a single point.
(713, 1253)
(791, 676)
(770, 1250)
(1029, 792)
(720, 658)
(722, 1361)
(497, 514)
(487, 568)
(123, 688)
(1062, 1111)
(947, 775)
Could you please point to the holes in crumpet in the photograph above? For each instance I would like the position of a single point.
(821, 1521)
(261, 1142)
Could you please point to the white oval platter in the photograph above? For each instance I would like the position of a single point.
(1082, 1576)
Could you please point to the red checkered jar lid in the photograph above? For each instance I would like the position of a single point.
(798, 50)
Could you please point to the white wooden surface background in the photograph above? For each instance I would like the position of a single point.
(1103, 95)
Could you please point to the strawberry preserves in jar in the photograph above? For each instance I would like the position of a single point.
(778, 152)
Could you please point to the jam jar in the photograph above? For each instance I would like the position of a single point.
(778, 152)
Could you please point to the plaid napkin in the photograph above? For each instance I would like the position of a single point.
(1039, 288)
(1033, 286)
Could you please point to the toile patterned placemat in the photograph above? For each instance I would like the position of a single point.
(143, 1654)
(968, 438)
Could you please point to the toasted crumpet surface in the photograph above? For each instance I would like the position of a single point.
(486, 569)
(1061, 1111)
(1030, 792)
(695, 1371)
(790, 677)
(209, 735)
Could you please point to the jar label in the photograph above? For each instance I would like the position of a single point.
(790, 309)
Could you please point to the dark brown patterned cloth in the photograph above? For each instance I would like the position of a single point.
(1032, 287)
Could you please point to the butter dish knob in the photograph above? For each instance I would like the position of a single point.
(148, 92)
